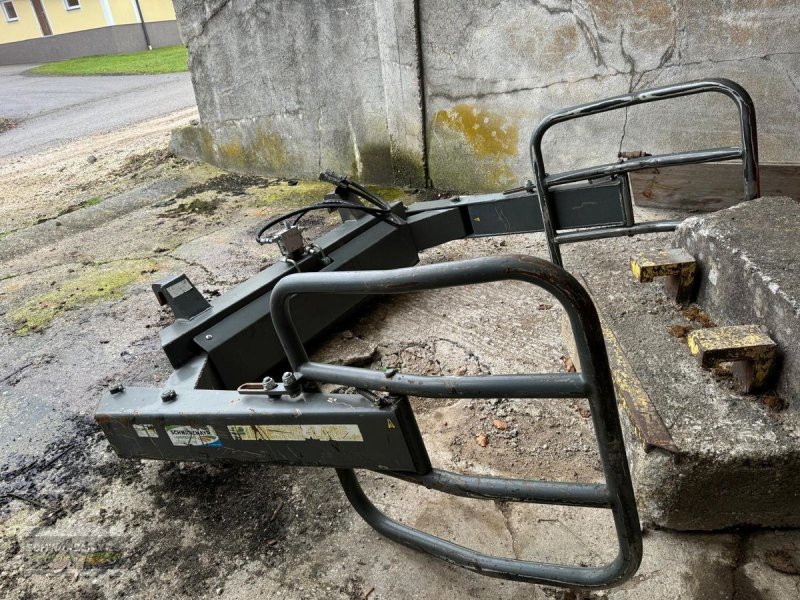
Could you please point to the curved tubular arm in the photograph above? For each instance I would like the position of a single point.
(594, 382)
(593, 495)
(748, 151)
(614, 573)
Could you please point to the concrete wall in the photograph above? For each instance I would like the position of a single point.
(400, 91)
(103, 40)
(297, 87)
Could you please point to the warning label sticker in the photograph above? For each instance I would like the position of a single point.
(145, 430)
(186, 435)
(296, 433)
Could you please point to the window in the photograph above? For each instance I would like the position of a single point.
(9, 11)
(72, 4)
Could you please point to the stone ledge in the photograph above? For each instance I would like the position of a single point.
(738, 459)
(747, 259)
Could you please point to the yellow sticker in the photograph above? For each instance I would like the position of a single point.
(391, 425)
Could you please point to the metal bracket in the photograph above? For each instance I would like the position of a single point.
(183, 298)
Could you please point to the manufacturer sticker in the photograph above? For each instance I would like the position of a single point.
(145, 430)
(186, 435)
(296, 433)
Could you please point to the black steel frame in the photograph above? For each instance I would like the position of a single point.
(236, 338)
(545, 183)
(593, 382)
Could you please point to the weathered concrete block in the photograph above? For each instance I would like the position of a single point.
(738, 459)
(685, 566)
(299, 87)
(748, 257)
(493, 70)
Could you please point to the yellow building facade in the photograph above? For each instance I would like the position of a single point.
(115, 24)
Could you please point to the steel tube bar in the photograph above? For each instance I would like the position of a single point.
(646, 162)
(594, 495)
(609, 232)
(616, 495)
(747, 128)
(538, 385)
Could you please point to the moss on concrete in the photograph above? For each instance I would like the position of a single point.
(283, 195)
(473, 149)
(388, 193)
(230, 156)
(487, 133)
(95, 283)
(92, 201)
(268, 149)
(255, 151)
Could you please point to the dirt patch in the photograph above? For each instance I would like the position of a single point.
(63, 477)
(145, 160)
(64, 178)
(208, 196)
(229, 183)
(248, 506)
(680, 331)
(699, 316)
(6, 124)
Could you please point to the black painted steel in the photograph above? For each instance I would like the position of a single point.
(600, 233)
(358, 242)
(320, 430)
(594, 495)
(594, 382)
(747, 152)
(645, 162)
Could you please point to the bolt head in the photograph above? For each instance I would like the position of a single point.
(269, 383)
(117, 389)
(209, 337)
(169, 395)
(288, 378)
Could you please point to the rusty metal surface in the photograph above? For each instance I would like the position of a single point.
(747, 344)
(644, 418)
(677, 265)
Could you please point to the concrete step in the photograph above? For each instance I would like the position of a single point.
(738, 456)
(747, 260)
(677, 265)
(751, 351)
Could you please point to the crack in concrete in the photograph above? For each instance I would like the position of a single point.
(591, 39)
(481, 95)
(16, 372)
(213, 279)
(470, 353)
(505, 510)
(208, 18)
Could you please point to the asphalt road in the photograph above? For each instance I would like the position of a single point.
(50, 110)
